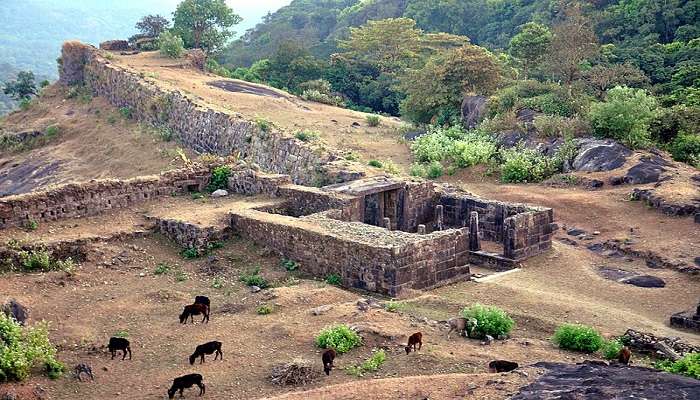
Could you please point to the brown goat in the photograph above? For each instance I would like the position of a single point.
(457, 324)
(623, 357)
(194, 309)
(413, 340)
(327, 357)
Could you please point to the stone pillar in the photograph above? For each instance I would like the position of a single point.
(421, 229)
(474, 241)
(387, 223)
(438, 217)
(509, 238)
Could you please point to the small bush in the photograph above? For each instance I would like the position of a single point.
(181, 276)
(578, 338)
(52, 130)
(390, 167)
(375, 163)
(372, 364)
(307, 135)
(435, 170)
(418, 170)
(31, 225)
(554, 126)
(334, 279)
(122, 333)
(25, 103)
(319, 97)
(611, 349)
(263, 124)
(686, 148)
(373, 120)
(219, 178)
(521, 165)
(688, 366)
(264, 309)
(625, 115)
(161, 269)
(171, 45)
(217, 283)
(290, 265)
(125, 112)
(190, 253)
(111, 120)
(255, 279)
(489, 320)
(338, 337)
(24, 348)
(394, 306)
(35, 260)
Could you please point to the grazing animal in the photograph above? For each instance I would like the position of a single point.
(204, 300)
(457, 324)
(184, 382)
(327, 357)
(194, 309)
(502, 366)
(81, 369)
(413, 340)
(116, 343)
(207, 348)
(623, 357)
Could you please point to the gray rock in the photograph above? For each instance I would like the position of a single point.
(648, 170)
(255, 289)
(645, 281)
(473, 108)
(219, 193)
(320, 310)
(527, 116)
(599, 155)
(509, 139)
(488, 339)
(16, 310)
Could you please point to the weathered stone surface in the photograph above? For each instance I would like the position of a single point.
(645, 281)
(14, 309)
(219, 193)
(509, 139)
(599, 155)
(648, 170)
(526, 116)
(473, 108)
(599, 381)
(114, 45)
(667, 206)
(197, 58)
(647, 343)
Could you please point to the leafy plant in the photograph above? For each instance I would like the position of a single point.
(611, 349)
(190, 253)
(255, 279)
(23, 348)
(307, 135)
(435, 170)
(52, 130)
(181, 276)
(394, 306)
(219, 178)
(521, 165)
(338, 337)
(35, 260)
(171, 45)
(126, 112)
(334, 279)
(373, 120)
(578, 338)
(289, 265)
(264, 309)
(31, 225)
(217, 283)
(162, 268)
(686, 148)
(324, 98)
(688, 366)
(418, 170)
(25, 103)
(372, 364)
(375, 163)
(263, 124)
(489, 320)
(625, 116)
(122, 333)
(390, 167)
(111, 120)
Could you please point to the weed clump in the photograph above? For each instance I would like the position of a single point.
(578, 338)
(23, 348)
(339, 337)
(489, 320)
(255, 279)
(372, 364)
(688, 366)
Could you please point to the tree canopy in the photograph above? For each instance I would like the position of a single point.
(204, 24)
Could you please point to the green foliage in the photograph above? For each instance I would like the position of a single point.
(472, 149)
(263, 124)
(36, 260)
(318, 97)
(394, 306)
(190, 253)
(31, 225)
(219, 178)
(171, 45)
(23, 348)
(52, 130)
(334, 279)
(162, 268)
(390, 167)
(625, 116)
(435, 170)
(371, 364)
(611, 349)
(523, 165)
(151, 26)
(217, 283)
(264, 309)
(204, 24)
(373, 120)
(25, 104)
(418, 170)
(686, 148)
(111, 120)
(254, 278)
(338, 337)
(122, 333)
(688, 366)
(671, 121)
(290, 265)
(126, 112)
(530, 45)
(307, 135)
(22, 88)
(555, 126)
(375, 163)
(578, 338)
(181, 276)
(490, 320)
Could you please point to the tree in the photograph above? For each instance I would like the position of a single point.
(531, 45)
(23, 87)
(152, 26)
(204, 24)
(625, 115)
(171, 45)
(602, 77)
(573, 43)
(437, 89)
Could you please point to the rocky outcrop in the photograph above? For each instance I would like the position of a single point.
(115, 45)
(645, 281)
(599, 381)
(600, 155)
(666, 206)
(649, 169)
(647, 343)
(473, 108)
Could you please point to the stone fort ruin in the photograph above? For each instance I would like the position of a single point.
(379, 233)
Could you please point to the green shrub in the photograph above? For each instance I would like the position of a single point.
(473, 152)
(25, 103)
(264, 309)
(219, 178)
(161, 268)
(489, 320)
(554, 126)
(334, 279)
(625, 115)
(686, 148)
(35, 260)
(122, 333)
(669, 122)
(111, 120)
(324, 98)
(171, 45)
(394, 306)
(24, 348)
(263, 124)
(52, 130)
(125, 112)
(375, 163)
(190, 253)
(255, 279)
(31, 225)
(435, 170)
(339, 337)
(611, 349)
(418, 170)
(181, 276)
(521, 165)
(371, 364)
(373, 120)
(307, 135)
(578, 338)
(435, 145)
(688, 366)
(290, 265)
(390, 167)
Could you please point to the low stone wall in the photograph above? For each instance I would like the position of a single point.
(95, 197)
(528, 234)
(191, 236)
(664, 205)
(197, 125)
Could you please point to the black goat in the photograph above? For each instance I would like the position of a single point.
(414, 340)
(116, 343)
(327, 357)
(502, 366)
(207, 348)
(184, 382)
(194, 309)
(204, 300)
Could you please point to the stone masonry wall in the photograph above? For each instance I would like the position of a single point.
(191, 236)
(95, 197)
(528, 234)
(197, 125)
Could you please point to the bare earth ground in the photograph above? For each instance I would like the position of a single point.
(94, 141)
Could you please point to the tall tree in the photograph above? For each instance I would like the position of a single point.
(530, 45)
(152, 25)
(22, 88)
(204, 24)
(573, 43)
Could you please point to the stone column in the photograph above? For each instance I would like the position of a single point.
(474, 241)
(421, 229)
(438, 217)
(387, 223)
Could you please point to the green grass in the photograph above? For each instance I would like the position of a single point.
(611, 349)
(394, 306)
(254, 278)
(375, 163)
(181, 276)
(190, 253)
(307, 135)
(373, 120)
(126, 112)
(289, 265)
(372, 364)
(263, 124)
(264, 309)
(161, 269)
(688, 366)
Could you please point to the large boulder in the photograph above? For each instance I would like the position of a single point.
(115, 45)
(473, 108)
(645, 281)
(509, 139)
(648, 170)
(599, 155)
